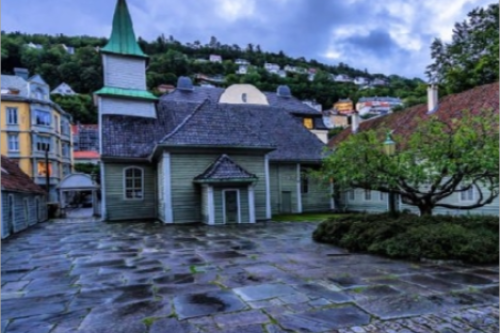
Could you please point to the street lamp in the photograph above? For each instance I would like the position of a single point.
(390, 150)
(389, 145)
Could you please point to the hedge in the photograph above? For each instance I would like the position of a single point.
(472, 239)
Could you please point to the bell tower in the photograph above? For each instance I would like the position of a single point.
(124, 66)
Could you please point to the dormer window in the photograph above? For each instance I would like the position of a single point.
(308, 123)
(244, 97)
(39, 94)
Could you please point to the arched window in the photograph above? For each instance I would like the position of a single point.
(244, 97)
(133, 183)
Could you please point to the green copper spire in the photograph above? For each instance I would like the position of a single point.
(122, 39)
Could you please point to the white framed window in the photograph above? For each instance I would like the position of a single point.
(13, 142)
(381, 196)
(65, 149)
(42, 142)
(133, 179)
(467, 195)
(42, 118)
(12, 116)
(43, 169)
(368, 195)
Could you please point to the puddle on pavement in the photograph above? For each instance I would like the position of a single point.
(194, 305)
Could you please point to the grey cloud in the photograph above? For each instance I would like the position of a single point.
(297, 27)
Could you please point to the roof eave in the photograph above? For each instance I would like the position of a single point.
(108, 158)
(227, 180)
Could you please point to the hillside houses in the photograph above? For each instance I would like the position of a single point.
(271, 67)
(215, 58)
(342, 78)
(377, 105)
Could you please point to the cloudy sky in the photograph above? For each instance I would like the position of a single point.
(386, 36)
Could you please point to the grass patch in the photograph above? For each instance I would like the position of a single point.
(149, 321)
(306, 217)
(357, 290)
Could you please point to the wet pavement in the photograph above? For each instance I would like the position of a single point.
(269, 277)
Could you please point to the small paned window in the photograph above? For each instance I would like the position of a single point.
(134, 183)
(11, 116)
(42, 118)
(381, 196)
(43, 143)
(13, 142)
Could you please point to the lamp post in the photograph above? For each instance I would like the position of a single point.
(390, 150)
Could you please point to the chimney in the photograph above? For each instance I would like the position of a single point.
(355, 120)
(432, 98)
(22, 72)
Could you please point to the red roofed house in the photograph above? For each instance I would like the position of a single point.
(86, 143)
(403, 123)
(23, 202)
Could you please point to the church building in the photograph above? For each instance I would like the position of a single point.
(211, 155)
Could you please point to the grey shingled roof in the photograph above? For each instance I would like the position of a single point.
(246, 125)
(291, 104)
(186, 119)
(127, 136)
(16, 82)
(225, 169)
(199, 94)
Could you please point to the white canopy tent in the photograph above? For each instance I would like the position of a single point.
(78, 182)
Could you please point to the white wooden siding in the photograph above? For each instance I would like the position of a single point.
(126, 107)
(124, 72)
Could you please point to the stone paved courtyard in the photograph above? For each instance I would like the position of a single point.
(269, 277)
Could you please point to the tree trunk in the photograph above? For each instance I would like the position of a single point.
(425, 210)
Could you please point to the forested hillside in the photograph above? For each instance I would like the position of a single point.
(469, 60)
(170, 59)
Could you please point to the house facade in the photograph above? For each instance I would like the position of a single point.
(377, 105)
(215, 58)
(23, 202)
(402, 123)
(63, 89)
(234, 155)
(30, 122)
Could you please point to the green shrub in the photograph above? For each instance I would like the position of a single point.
(469, 238)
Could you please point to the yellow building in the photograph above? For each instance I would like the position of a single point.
(29, 123)
(344, 106)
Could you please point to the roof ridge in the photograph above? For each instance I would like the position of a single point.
(184, 122)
